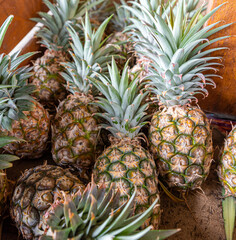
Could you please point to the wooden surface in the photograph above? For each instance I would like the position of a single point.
(222, 99)
(22, 10)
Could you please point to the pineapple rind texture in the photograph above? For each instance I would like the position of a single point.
(48, 81)
(35, 192)
(181, 142)
(227, 167)
(75, 132)
(128, 165)
(34, 129)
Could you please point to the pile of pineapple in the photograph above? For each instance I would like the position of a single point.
(99, 76)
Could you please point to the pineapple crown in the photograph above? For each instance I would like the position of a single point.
(121, 102)
(14, 91)
(89, 56)
(179, 57)
(54, 34)
(143, 11)
(190, 8)
(121, 17)
(96, 215)
(6, 159)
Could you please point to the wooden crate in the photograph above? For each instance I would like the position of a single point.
(222, 99)
(22, 10)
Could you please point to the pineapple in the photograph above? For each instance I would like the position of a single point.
(75, 129)
(180, 134)
(34, 129)
(227, 168)
(227, 176)
(5, 162)
(54, 36)
(126, 162)
(103, 219)
(35, 192)
(20, 115)
(5, 159)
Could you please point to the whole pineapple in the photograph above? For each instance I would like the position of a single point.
(75, 129)
(103, 219)
(227, 167)
(34, 194)
(34, 129)
(5, 159)
(227, 176)
(21, 116)
(54, 36)
(180, 133)
(126, 162)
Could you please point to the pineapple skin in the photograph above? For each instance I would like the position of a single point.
(48, 81)
(181, 142)
(75, 133)
(227, 167)
(129, 165)
(34, 130)
(35, 191)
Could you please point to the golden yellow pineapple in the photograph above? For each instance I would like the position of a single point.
(126, 163)
(180, 133)
(181, 139)
(227, 176)
(227, 167)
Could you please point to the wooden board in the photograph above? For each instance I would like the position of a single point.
(22, 10)
(222, 99)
